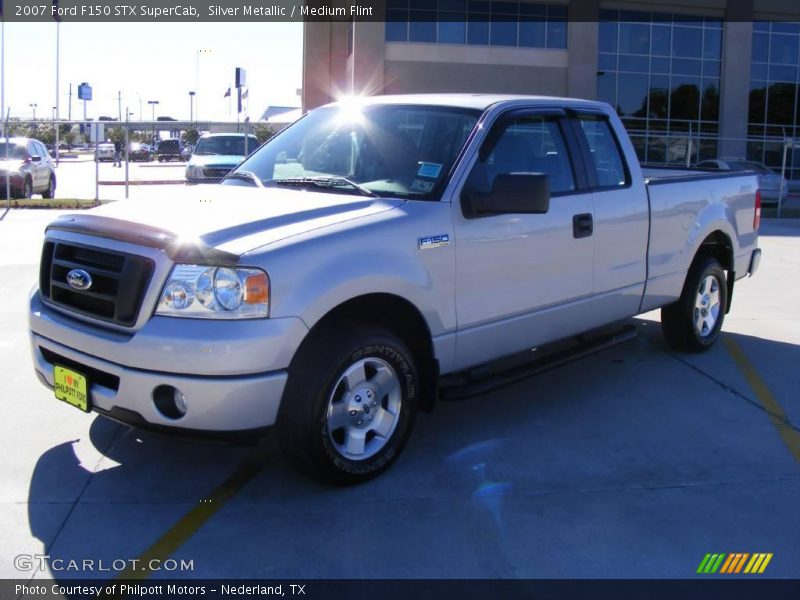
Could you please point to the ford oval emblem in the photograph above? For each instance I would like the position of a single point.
(78, 279)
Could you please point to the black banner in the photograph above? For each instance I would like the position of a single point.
(733, 588)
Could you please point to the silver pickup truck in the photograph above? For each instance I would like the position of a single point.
(369, 248)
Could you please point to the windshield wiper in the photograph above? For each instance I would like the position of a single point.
(327, 182)
(246, 176)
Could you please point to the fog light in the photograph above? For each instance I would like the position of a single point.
(170, 401)
(180, 401)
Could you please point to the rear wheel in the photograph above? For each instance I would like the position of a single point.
(693, 323)
(50, 192)
(349, 403)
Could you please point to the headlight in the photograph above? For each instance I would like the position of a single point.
(204, 292)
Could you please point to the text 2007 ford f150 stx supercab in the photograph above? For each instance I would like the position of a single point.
(370, 247)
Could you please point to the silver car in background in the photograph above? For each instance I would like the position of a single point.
(769, 182)
(105, 151)
(217, 154)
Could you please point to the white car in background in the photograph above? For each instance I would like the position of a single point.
(105, 151)
(769, 182)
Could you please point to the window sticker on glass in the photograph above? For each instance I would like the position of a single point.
(429, 170)
(422, 185)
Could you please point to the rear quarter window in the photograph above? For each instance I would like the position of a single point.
(607, 161)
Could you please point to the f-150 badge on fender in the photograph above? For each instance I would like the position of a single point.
(433, 241)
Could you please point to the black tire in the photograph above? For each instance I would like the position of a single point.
(678, 319)
(50, 192)
(315, 381)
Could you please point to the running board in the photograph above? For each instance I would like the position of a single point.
(517, 367)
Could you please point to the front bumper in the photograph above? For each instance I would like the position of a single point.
(222, 404)
(15, 181)
(232, 373)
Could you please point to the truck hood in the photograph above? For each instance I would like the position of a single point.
(227, 218)
(214, 160)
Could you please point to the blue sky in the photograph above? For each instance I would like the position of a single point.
(151, 62)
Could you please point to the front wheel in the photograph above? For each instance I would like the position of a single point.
(693, 323)
(349, 403)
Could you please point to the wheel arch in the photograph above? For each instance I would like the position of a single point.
(719, 245)
(402, 318)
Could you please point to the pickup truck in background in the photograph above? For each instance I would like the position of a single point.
(369, 248)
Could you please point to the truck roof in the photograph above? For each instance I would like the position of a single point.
(474, 101)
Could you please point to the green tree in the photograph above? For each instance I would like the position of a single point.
(18, 128)
(263, 132)
(116, 134)
(191, 135)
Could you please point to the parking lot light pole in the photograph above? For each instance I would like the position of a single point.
(191, 106)
(58, 83)
(153, 103)
(127, 144)
(203, 52)
(33, 105)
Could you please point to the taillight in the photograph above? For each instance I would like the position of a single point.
(757, 215)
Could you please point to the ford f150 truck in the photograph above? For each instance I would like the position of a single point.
(369, 248)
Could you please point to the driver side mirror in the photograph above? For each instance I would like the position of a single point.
(36, 158)
(513, 193)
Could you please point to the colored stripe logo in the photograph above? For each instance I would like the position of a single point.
(737, 562)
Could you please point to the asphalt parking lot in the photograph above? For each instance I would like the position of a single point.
(632, 463)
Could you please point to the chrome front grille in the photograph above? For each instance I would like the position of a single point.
(118, 281)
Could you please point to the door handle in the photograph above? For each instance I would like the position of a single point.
(582, 225)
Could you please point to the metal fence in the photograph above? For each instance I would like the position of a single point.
(84, 167)
(688, 149)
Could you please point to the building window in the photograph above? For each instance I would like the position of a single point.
(774, 111)
(661, 71)
(477, 22)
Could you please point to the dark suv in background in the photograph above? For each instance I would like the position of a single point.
(27, 164)
(171, 149)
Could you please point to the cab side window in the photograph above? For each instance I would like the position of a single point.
(606, 156)
(527, 145)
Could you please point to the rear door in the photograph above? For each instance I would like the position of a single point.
(524, 279)
(621, 219)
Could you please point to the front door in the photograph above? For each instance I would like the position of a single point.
(524, 279)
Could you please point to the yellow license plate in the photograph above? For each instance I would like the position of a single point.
(71, 387)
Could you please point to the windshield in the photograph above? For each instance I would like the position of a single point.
(383, 150)
(14, 151)
(232, 145)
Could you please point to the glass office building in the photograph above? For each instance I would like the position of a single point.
(774, 112)
(477, 22)
(661, 72)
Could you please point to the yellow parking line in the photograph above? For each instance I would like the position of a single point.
(789, 435)
(192, 521)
